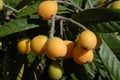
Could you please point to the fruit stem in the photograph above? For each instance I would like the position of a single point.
(52, 26)
(56, 17)
(70, 20)
(61, 28)
(68, 3)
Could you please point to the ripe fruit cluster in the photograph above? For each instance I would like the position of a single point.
(55, 47)
(46, 9)
(83, 53)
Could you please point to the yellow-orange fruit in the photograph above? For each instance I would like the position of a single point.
(55, 48)
(46, 9)
(70, 48)
(87, 40)
(1, 5)
(38, 44)
(81, 56)
(23, 46)
(115, 5)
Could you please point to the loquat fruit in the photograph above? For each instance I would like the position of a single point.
(46, 9)
(70, 48)
(115, 5)
(38, 44)
(81, 56)
(23, 45)
(87, 40)
(55, 48)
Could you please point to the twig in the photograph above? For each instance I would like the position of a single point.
(61, 28)
(68, 3)
(56, 17)
(52, 26)
(71, 20)
(7, 6)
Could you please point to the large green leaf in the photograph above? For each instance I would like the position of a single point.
(97, 15)
(100, 20)
(110, 61)
(112, 41)
(101, 70)
(23, 3)
(111, 26)
(15, 26)
(90, 69)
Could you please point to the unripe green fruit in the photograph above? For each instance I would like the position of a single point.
(116, 4)
(1, 5)
(55, 71)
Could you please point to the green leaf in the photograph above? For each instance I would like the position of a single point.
(73, 76)
(111, 26)
(90, 69)
(30, 9)
(23, 3)
(31, 57)
(100, 68)
(15, 26)
(110, 61)
(12, 3)
(113, 43)
(76, 2)
(97, 15)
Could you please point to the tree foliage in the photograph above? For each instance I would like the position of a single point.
(19, 19)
